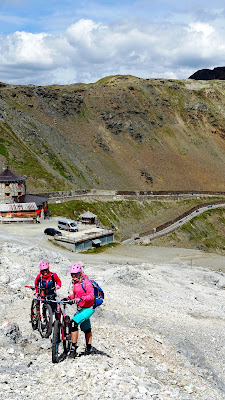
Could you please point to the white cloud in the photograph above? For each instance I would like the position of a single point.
(32, 48)
(83, 32)
(87, 51)
(24, 48)
(201, 27)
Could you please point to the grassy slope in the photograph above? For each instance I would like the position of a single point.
(24, 162)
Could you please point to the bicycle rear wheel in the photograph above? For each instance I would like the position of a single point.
(45, 321)
(59, 346)
(34, 314)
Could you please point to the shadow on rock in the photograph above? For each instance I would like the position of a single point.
(93, 352)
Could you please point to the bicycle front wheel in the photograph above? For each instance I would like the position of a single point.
(59, 348)
(34, 314)
(45, 321)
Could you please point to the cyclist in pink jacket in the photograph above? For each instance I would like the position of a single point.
(83, 296)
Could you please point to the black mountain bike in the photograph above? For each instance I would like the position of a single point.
(41, 314)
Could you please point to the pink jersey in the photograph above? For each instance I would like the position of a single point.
(87, 294)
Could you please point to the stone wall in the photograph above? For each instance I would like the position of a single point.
(113, 195)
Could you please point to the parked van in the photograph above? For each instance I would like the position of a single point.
(67, 225)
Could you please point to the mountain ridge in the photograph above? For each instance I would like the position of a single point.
(122, 132)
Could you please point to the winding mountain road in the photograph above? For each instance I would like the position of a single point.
(175, 225)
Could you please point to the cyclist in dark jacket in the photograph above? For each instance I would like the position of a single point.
(47, 281)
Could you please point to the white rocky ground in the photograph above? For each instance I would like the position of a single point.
(159, 334)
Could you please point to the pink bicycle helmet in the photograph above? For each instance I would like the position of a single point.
(75, 269)
(43, 265)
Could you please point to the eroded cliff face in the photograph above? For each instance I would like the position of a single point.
(122, 132)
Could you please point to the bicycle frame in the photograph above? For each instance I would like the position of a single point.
(40, 308)
(61, 316)
(61, 340)
(41, 314)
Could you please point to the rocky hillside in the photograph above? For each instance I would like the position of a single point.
(159, 334)
(119, 133)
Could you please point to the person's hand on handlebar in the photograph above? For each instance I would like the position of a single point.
(68, 300)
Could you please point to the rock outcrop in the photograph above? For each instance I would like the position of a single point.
(209, 74)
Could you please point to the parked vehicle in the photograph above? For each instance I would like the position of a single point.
(52, 232)
(67, 225)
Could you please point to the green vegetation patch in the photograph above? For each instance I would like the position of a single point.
(108, 212)
(23, 162)
(100, 249)
(3, 149)
(57, 165)
(31, 168)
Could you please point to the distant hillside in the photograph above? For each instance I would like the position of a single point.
(119, 133)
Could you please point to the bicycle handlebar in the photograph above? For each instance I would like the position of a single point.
(33, 287)
(49, 300)
(42, 299)
(62, 302)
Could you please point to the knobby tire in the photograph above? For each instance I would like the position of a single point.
(59, 346)
(34, 314)
(45, 321)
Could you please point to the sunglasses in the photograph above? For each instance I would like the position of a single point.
(75, 274)
(44, 270)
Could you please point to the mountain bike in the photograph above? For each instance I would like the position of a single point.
(41, 314)
(61, 339)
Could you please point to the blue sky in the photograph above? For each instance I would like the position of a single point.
(54, 41)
